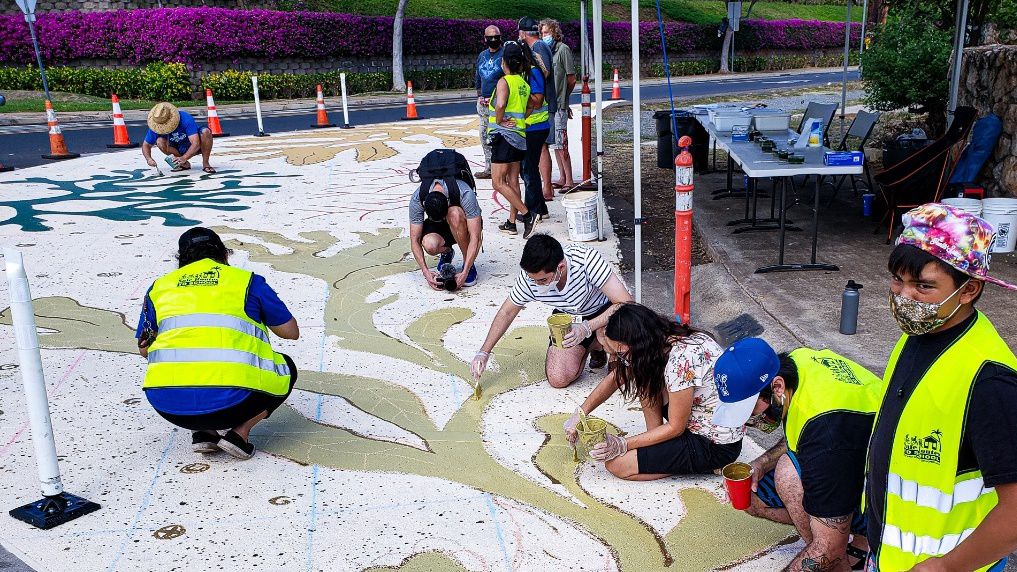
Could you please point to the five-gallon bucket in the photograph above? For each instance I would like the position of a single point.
(1002, 215)
(970, 206)
(581, 214)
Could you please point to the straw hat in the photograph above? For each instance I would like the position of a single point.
(163, 118)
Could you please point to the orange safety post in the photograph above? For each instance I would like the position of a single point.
(587, 138)
(683, 232)
(322, 120)
(213, 116)
(616, 89)
(411, 104)
(57, 146)
(120, 138)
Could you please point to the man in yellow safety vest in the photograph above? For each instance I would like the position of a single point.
(812, 478)
(941, 486)
(205, 331)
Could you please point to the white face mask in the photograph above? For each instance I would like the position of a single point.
(549, 288)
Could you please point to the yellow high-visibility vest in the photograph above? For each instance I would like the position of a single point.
(515, 108)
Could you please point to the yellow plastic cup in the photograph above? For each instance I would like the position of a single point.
(591, 433)
(559, 324)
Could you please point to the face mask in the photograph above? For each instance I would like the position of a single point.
(549, 288)
(494, 43)
(770, 419)
(549, 40)
(917, 318)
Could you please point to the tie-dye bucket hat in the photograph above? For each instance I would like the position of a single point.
(958, 238)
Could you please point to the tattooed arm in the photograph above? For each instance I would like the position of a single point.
(767, 461)
(827, 551)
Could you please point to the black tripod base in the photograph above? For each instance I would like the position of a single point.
(261, 134)
(54, 511)
(796, 267)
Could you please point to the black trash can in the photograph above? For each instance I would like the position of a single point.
(685, 124)
(899, 149)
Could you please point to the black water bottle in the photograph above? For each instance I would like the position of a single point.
(849, 308)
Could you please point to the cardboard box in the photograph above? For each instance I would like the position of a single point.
(843, 158)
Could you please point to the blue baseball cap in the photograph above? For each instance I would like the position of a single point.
(741, 372)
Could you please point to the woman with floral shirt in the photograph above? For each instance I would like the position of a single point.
(669, 368)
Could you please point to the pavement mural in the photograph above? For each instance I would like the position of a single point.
(381, 459)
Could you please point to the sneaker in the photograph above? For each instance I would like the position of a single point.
(482, 175)
(471, 276)
(236, 446)
(597, 359)
(445, 258)
(529, 220)
(205, 441)
(508, 227)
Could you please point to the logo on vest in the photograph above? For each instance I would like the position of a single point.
(209, 277)
(926, 449)
(840, 369)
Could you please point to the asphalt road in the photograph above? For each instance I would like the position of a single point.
(22, 146)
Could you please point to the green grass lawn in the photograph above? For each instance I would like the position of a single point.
(75, 102)
(696, 11)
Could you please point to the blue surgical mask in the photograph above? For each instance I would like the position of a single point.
(549, 40)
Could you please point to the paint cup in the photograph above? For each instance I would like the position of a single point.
(867, 200)
(592, 432)
(738, 484)
(169, 161)
(559, 324)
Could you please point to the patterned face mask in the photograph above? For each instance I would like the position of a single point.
(918, 318)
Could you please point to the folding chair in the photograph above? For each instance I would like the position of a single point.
(860, 129)
(922, 177)
(823, 111)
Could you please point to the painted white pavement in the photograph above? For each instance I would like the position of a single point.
(346, 480)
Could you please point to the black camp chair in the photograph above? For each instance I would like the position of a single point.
(921, 177)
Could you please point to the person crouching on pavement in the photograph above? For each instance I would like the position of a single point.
(205, 331)
(178, 136)
(669, 368)
(450, 220)
(813, 477)
(575, 280)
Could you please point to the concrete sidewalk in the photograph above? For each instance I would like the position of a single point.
(372, 100)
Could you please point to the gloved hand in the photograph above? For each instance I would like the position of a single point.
(479, 364)
(571, 433)
(613, 446)
(579, 332)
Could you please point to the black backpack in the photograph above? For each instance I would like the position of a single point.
(445, 164)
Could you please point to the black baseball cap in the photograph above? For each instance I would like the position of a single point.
(198, 235)
(528, 24)
(512, 51)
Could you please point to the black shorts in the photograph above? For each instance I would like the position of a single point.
(442, 229)
(588, 341)
(503, 152)
(686, 454)
(238, 414)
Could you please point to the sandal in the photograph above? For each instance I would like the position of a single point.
(208, 170)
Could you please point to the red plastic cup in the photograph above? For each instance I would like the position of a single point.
(738, 483)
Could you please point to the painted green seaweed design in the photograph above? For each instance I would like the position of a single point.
(135, 195)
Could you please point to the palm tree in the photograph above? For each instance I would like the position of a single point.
(398, 80)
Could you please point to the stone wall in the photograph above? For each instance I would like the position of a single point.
(989, 84)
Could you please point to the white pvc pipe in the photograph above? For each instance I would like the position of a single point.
(598, 82)
(346, 109)
(958, 54)
(30, 364)
(583, 52)
(637, 136)
(865, 20)
(257, 104)
(847, 54)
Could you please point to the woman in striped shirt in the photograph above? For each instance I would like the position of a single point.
(575, 280)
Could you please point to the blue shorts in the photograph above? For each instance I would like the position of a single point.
(767, 492)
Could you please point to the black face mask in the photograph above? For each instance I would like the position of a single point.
(493, 42)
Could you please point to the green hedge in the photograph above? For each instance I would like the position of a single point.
(156, 81)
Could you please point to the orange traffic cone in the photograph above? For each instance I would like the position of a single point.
(411, 105)
(213, 116)
(120, 137)
(616, 90)
(57, 147)
(322, 114)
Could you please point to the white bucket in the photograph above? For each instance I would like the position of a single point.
(970, 206)
(1002, 215)
(581, 214)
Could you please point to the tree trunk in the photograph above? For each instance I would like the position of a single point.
(725, 51)
(398, 80)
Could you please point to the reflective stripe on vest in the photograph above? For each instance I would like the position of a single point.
(515, 108)
(205, 337)
(928, 509)
(227, 356)
(539, 115)
(828, 382)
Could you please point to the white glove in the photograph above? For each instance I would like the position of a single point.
(579, 332)
(613, 446)
(571, 433)
(479, 364)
